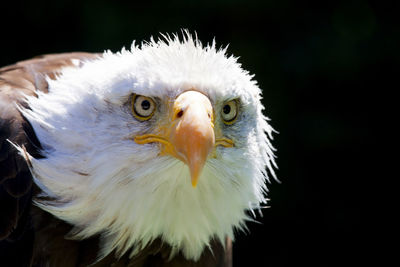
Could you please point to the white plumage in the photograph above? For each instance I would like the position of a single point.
(101, 181)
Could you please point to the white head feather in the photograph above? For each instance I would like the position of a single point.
(104, 183)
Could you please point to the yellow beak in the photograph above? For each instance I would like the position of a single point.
(189, 135)
(192, 136)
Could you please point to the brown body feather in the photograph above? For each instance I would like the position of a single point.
(28, 235)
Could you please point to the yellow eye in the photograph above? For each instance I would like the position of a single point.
(143, 107)
(230, 111)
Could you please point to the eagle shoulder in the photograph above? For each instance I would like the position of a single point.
(16, 185)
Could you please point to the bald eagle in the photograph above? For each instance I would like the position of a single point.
(152, 156)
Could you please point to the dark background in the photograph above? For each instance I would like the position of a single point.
(323, 67)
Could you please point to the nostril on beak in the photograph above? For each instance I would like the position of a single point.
(179, 114)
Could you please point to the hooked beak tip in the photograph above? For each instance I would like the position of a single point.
(195, 168)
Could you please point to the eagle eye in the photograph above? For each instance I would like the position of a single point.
(143, 107)
(229, 112)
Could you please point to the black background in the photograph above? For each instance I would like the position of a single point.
(322, 67)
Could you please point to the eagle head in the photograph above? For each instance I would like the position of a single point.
(167, 140)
